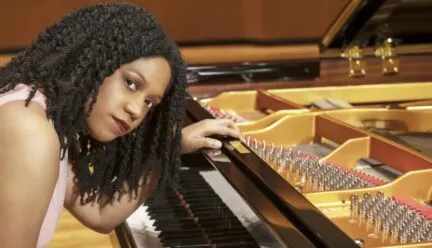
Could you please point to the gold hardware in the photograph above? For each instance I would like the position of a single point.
(239, 147)
(356, 61)
(390, 63)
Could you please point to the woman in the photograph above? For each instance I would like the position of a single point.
(91, 119)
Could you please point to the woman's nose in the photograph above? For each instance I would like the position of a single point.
(135, 110)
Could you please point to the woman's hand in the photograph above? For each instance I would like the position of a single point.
(195, 136)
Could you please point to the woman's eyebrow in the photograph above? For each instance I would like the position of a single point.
(143, 79)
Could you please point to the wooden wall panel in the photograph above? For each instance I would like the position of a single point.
(186, 20)
(300, 19)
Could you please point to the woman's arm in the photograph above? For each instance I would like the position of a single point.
(105, 218)
(29, 159)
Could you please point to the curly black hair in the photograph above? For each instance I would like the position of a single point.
(70, 61)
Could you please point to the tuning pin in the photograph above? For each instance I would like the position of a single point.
(380, 196)
(289, 161)
(314, 183)
(256, 145)
(280, 155)
(248, 141)
(394, 234)
(429, 231)
(320, 186)
(424, 236)
(369, 219)
(377, 225)
(403, 238)
(416, 237)
(263, 150)
(385, 230)
(271, 153)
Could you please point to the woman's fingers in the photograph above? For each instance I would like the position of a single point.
(211, 143)
(222, 127)
(198, 135)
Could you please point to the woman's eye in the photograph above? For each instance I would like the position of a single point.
(148, 103)
(131, 84)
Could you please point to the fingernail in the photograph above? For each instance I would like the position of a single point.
(216, 144)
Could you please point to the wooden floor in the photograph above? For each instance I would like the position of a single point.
(71, 233)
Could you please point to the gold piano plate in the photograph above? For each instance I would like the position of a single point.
(256, 109)
(360, 95)
(391, 120)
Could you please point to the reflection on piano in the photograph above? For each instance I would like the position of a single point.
(198, 217)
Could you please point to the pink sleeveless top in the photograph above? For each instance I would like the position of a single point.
(47, 230)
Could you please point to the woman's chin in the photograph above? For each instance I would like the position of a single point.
(102, 137)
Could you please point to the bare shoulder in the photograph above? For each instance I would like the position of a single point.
(27, 138)
(26, 127)
(29, 159)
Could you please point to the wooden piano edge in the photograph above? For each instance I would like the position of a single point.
(122, 237)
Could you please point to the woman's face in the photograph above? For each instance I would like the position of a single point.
(125, 97)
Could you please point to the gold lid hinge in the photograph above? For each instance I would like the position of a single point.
(386, 51)
(357, 63)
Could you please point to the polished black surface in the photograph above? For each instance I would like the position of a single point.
(193, 215)
(405, 21)
(253, 72)
(177, 229)
(124, 236)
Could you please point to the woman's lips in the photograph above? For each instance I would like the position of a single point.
(123, 127)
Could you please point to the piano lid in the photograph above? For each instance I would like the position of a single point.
(382, 29)
(371, 23)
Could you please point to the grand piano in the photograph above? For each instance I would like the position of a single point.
(336, 148)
